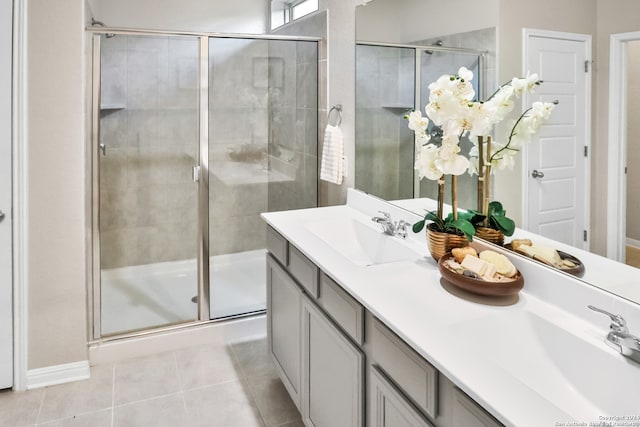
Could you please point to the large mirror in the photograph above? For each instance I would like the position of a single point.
(403, 45)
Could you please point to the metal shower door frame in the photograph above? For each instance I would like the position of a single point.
(203, 268)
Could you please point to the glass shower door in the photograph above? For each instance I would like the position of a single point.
(148, 205)
(262, 157)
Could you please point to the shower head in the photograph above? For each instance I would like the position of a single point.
(438, 43)
(101, 24)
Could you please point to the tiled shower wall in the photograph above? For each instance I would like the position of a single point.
(384, 94)
(384, 145)
(263, 137)
(148, 210)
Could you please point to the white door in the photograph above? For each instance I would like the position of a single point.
(556, 160)
(6, 312)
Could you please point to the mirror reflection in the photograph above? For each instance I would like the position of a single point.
(398, 55)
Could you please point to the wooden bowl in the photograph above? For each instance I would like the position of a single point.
(577, 271)
(479, 286)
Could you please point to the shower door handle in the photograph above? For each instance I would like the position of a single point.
(195, 173)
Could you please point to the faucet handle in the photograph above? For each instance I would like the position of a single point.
(401, 228)
(386, 215)
(619, 324)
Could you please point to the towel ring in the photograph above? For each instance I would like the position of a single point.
(337, 108)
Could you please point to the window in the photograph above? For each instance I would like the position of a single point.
(285, 11)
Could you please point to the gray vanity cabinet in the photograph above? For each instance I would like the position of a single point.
(333, 373)
(284, 305)
(387, 407)
(324, 343)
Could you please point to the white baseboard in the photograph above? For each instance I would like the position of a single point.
(633, 242)
(58, 374)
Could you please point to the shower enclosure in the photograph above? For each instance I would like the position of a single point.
(194, 135)
(392, 80)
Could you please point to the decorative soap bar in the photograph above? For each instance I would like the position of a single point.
(478, 266)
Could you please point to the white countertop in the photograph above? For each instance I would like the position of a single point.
(625, 281)
(436, 321)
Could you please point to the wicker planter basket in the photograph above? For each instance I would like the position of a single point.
(490, 235)
(441, 243)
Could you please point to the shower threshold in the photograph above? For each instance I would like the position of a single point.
(151, 295)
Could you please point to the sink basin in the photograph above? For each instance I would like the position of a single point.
(588, 377)
(362, 244)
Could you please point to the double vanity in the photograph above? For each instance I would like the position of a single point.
(364, 331)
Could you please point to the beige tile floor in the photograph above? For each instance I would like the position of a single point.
(210, 386)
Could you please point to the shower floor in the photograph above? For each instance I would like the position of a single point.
(145, 296)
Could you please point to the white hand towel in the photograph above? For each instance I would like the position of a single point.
(332, 166)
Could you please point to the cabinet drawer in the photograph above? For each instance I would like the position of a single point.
(342, 307)
(414, 375)
(304, 271)
(467, 413)
(277, 245)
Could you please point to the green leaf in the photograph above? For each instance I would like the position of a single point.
(418, 226)
(474, 217)
(504, 224)
(495, 208)
(464, 226)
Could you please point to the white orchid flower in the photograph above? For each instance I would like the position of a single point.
(480, 119)
(526, 84)
(425, 162)
(454, 165)
(417, 123)
(447, 151)
(465, 73)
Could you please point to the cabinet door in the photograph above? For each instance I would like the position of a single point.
(333, 372)
(284, 303)
(387, 406)
(467, 413)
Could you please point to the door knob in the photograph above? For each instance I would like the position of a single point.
(537, 174)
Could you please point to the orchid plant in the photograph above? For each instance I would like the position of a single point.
(449, 100)
(452, 107)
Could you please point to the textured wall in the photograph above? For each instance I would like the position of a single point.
(56, 178)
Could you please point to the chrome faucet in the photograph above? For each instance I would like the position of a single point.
(619, 337)
(389, 227)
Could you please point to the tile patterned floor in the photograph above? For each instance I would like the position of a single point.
(206, 386)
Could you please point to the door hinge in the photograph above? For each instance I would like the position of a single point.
(584, 235)
(625, 170)
(586, 151)
(195, 173)
(586, 66)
